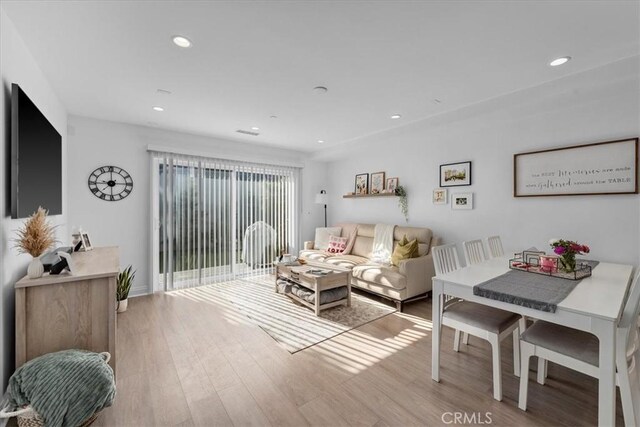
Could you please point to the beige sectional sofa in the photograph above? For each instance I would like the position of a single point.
(410, 280)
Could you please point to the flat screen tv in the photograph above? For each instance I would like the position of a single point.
(36, 159)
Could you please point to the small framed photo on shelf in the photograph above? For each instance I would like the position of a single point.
(440, 196)
(86, 242)
(392, 184)
(455, 174)
(462, 201)
(362, 184)
(377, 183)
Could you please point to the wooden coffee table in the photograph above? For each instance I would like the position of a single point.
(336, 278)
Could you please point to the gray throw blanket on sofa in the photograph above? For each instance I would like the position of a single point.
(64, 388)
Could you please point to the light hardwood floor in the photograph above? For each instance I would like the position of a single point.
(187, 361)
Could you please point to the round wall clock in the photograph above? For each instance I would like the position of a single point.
(110, 183)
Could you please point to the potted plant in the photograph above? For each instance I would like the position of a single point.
(403, 202)
(34, 238)
(125, 280)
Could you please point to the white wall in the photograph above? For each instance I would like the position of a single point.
(94, 143)
(18, 66)
(598, 105)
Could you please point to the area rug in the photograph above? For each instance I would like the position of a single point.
(292, 325)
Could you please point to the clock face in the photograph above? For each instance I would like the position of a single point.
(110, 183)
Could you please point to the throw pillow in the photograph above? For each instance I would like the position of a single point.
(322, 237)
(337, 245)
(405, 249)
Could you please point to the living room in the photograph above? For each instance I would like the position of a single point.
(228, 124)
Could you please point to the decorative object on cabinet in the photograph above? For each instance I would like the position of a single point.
(124, 282)
(455, 174)
(392, 184)
(86, 242)
(440, 196)
(609, 167)
(110, 183)
(462, 201)
(377, 183)
(362, 184)
(403, 202)
(34, 237)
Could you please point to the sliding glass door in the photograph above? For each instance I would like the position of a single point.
(215, 220)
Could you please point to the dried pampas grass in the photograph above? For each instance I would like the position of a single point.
(36, 235)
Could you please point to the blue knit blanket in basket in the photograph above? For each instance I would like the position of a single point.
(64, 388)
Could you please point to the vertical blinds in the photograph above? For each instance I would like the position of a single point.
(218, 219)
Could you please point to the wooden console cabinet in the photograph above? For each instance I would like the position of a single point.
(61, 312)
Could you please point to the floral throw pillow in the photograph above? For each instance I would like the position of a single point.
(337, 245)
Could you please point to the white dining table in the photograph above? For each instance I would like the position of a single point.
(595, 305)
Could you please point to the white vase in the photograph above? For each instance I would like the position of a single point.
(122, 305)
(35, 268)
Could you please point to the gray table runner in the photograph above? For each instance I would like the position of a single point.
(529, 290)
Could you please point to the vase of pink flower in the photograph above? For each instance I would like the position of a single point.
(567, 251)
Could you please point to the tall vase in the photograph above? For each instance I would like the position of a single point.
(568, 262)
(35, 268)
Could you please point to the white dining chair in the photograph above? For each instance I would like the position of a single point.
(494, 243)
(479, 320)
(473, 252)
(578, 350)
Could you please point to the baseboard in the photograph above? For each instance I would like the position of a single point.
(138, 291)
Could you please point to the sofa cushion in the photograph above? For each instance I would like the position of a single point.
(376, 273)
(337, 245)
(347, 261)
(322, 237)
(423, 235)
(313, 254)
(405, 249)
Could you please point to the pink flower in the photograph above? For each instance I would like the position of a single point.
(575, 247)
(559, 250)
(585, 249)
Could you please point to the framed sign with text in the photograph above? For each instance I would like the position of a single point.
(609, 167)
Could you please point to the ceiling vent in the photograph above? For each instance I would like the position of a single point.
(248, 132)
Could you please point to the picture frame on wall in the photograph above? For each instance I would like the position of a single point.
(609, 167)
(455, 174)
(377, 183)
(462, 201)
(392, 185)
(440, 196)
(362, 184)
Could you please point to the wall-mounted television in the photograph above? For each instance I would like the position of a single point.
(36, 159)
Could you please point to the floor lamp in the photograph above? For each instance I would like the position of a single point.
(322, 199)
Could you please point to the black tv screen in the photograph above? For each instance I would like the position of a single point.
(36, 153)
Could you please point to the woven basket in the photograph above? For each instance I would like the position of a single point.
(28, 417)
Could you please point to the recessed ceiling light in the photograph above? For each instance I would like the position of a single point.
(320, 141)
(163, 92)
(396, 116)
(318, 90)
(560, 61)
(437, 101)
(274, 117)
(156, 108)
(181, 41)
(255, 128)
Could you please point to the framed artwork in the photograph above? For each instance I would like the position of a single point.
(455, 174)
(377, 183)
(440, 196)
(362, 184)
(392, 184)
(86, 242)
(462, 201)
(609, 167)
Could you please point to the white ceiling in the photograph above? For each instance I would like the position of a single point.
(251, 60)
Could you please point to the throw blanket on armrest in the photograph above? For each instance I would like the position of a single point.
(382, 244)
(64, 388)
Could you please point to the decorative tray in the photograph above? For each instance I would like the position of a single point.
(532, 265)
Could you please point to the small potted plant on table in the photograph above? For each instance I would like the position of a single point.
(125, 280)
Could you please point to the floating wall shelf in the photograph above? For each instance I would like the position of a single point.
(361, 196)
